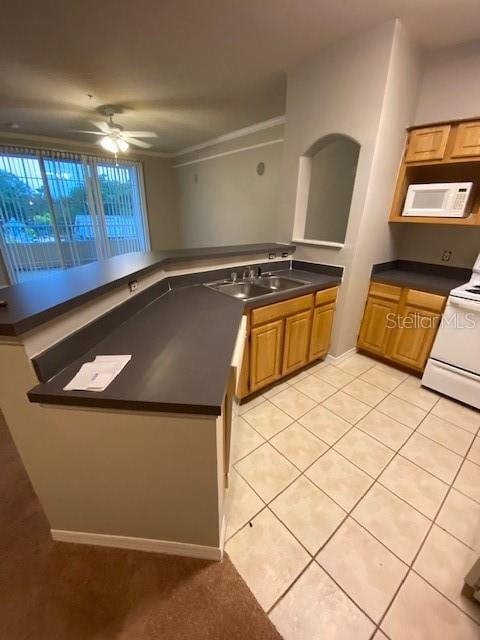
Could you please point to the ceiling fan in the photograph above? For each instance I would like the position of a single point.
(114, 138)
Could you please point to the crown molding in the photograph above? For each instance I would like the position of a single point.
(228, 153)
(245, 131)
(29, 138)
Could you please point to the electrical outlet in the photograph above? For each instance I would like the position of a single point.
(132, 285)
(446, 255)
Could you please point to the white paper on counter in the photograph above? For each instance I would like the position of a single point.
(97, 375)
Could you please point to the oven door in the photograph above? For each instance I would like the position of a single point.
(458, 338)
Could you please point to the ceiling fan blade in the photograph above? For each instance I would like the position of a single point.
(136, 143)
(94, 133)
(140, 134)
(103, 126)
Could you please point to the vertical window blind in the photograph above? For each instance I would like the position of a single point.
(59, 210)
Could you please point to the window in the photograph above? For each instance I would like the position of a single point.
(60, 210)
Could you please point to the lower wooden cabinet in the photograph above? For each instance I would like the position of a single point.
(379, 317)
(400, 324)
(322, 323)
(412, 342)
(285, 336)
(297, 335)
(266, 342)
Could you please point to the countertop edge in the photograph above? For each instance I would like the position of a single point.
(28, 322)
(123, 405)
(412, 282)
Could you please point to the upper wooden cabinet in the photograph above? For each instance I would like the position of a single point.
(467, 141)
(428, 143)
(441, 152)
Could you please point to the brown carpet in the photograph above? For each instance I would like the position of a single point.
(58, 591)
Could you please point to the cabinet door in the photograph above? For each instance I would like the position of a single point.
(321, 331)
(377, 324)
(467, 142)
(412, 340)
(265, 354)
(297, 338)
(428, 143)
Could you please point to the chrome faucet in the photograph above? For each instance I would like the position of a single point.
(234, 276)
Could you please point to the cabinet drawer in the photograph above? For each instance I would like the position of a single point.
(326, 296)
(430, 301)
(467, 142)
(386, 291)
(281, 309)
(428, 143)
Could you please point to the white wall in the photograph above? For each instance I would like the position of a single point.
(365, 88)
(377, 240)
(222, 200)
(321, 94)
(451, 84)
(450, 90)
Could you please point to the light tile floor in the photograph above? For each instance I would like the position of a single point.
(354, 505)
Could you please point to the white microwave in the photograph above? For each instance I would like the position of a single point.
(439, 200)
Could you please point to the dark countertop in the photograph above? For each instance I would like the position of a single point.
(32, 303)
(316, 282)
(181, 346)
(431, 278)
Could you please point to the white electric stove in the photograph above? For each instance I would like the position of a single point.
(454, 364)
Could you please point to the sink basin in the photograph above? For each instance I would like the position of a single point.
(278, 283)
(249, 289)
(241, 290)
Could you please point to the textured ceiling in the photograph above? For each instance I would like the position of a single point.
(188, 69)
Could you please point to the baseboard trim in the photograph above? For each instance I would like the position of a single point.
(343, 356)
(138, 544)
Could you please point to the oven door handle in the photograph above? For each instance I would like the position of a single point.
(460, 372)
(464, 304)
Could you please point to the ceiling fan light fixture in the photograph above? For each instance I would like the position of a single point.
(109, 144)
(122, 145)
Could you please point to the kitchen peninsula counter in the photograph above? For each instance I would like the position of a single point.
(181, 345)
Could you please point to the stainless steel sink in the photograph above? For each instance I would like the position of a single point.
(240, 290)
(279, 283)
(250, 289)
